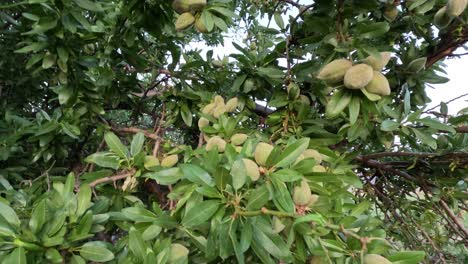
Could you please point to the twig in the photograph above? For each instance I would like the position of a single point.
(157, 133)
(112, 178)
(412, 154)
(449, 101)
(378, 165)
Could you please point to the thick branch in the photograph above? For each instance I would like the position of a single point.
(455, 219)
(377, 165)
(134, 130)
(447, 46)
(412, 154)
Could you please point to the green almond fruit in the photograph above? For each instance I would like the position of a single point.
(312, 153)
(219, 110)
(375, 259)
(302, 194)
(358, 76)
(181, 6)
(197, 5)
(216, 141)
(378, 63)
(262, 151)
(231, 104)
(151, 162)
(390, 13)
(317, 260)
(334, 71)
(184, 21)
(456, 7)
(441, 18)
(209, 109)
(238, 139)
(203, 122)
(200, 26)
(379, 84)
(170, 161)
(178, 253)
(319, 168)
(251, 169)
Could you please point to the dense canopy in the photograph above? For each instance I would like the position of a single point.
(124, 139)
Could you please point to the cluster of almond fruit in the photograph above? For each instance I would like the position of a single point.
(190, 14)
(366, 75)
(446, 14)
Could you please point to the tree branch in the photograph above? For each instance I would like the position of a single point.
(375, 164)
(134, 130)
(112, 178)
(412, 154)
(455, 219)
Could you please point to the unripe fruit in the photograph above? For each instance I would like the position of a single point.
(302, 194)
(319, 168)
(293, 91)
(379, 84)
(184, 21)
(456, 7)
(312, 153)
(334, 71)
(216, 141)
(203, 122)
(376, 63)
(218, 100)
(177, 253)
(238, 139)
(441, 18)
(317, 260)
(170, 161)
(249, 85)
(181, 6)
(150, 162)
(209, 109)
(262, 151)
(238, 149)
(197, 5)
(358, 76)
(219, 110)
(313, 199)
(304, 99)
(277, 225)
(200, 26)
(231, 104)
(375, 259)
(251, 169)
(391, 13)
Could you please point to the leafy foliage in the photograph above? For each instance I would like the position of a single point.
(101, 158)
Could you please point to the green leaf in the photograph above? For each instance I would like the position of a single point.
(9, 214)
(38, 217)
(196, 174)
(389, 125)
(136, 244)
(292, 152)
(18, 256)
(83, 200)
(104, 159)
(75, 259)
(354, 106)
(272, 243)
(407, 257)
(371, 96)
(200, 213)
(271, 72)
(239, 174)
(279, 20)
(137, 144)
(166, 176)
(186, 115)
(96, 252)
(338, 102)
(140, 215)
(425, 138)
(417, 65)
(207, 19)
(258, 198)
(436, 124)
(287, 175)
(115, 145)
(89, 5)
(34, 47)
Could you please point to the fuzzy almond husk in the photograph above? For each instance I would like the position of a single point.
(334, 71)
(312, 153)
(238, 139)
(375, 259)
(170, 161)
(358, 76)
(302, 194)
(177, 253)
(184, 21)
(251, 169)
(231, 104)
(456, 7)
(379, 84)
(262, 151)
(378, 63)
(203, 122)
